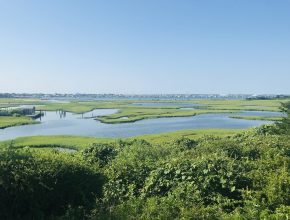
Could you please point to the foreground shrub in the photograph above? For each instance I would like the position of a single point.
(37, 185)
(101, 154)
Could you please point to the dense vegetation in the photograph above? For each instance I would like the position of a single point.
(245, 176)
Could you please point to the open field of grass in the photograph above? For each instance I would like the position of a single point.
(9, 121)
(81, 107)
(132, 115)
(72, 142)
(9, 102)
(191, 134)
(263, 118)
(79, 142)
(246, 105)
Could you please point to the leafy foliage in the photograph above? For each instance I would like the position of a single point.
(246, 176)
(100, 153)
(37, 185)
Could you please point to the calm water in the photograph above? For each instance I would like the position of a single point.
(61, 123)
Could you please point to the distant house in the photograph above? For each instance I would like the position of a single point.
(27, 111)
(21, 110)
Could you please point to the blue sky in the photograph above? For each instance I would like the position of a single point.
(145, 46)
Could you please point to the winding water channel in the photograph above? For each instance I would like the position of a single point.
(66, 123)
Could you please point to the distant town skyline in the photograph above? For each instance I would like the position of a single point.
(166, 97)
(145, 47)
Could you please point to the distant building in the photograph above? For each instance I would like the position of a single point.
(27, 111)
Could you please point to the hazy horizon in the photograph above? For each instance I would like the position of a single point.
(145, 47)
(150, 94)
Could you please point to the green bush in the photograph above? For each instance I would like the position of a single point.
(100, 153)
(36, 185)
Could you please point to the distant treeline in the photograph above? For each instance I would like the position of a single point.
(269, 97)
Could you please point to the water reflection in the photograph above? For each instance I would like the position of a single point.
(62, 114)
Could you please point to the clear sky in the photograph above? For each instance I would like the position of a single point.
(145, 46)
